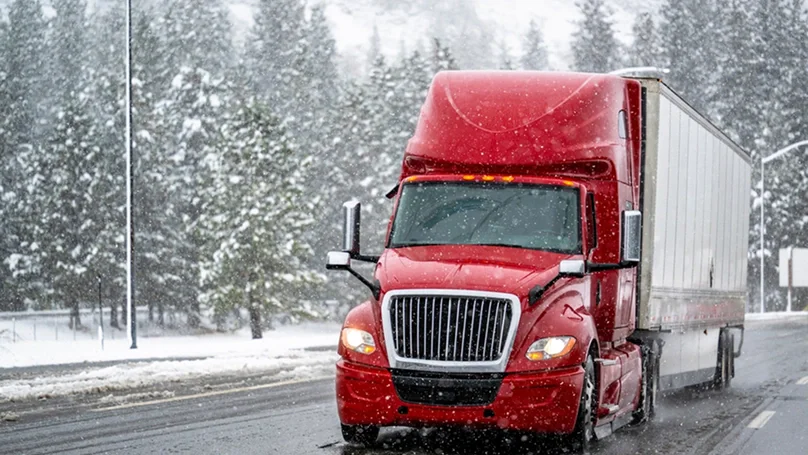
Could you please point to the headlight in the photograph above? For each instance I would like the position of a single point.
(358, 340)
(550, 348)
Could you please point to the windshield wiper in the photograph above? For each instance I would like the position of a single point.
(507, 245)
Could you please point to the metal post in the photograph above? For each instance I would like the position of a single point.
(100, 314)
(790, 276)
(130, 231)
(762, 228)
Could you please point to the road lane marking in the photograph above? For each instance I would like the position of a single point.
(803, 381)
(761, 419)
(210, 394)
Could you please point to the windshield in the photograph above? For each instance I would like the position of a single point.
(541, 217)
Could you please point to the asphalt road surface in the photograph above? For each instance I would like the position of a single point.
(766, 411)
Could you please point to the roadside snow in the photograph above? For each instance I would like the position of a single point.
(279, 354)
(291, 365)
(274, 344)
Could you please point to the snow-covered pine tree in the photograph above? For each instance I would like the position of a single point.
(687, 32)
(534, 51)
(6, 194)
(275, 51)
(442, 57)
(458, 24)
(375, 47)
(594, 47)
(504, 58)
(191, 116)
(187, 123)
(159, 233)
(260, 211)
(77, 201)
(24, 87)
(645, 48)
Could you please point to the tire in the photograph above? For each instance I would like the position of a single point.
(362, 435)
(725, 364)
(650, 386)
(584, 433)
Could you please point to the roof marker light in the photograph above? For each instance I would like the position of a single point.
(468, 177)
(412, 178)
(507, 179)
(569, 183)
(488, 178)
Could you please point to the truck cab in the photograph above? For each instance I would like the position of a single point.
(508, 289)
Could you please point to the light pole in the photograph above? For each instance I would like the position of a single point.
(763, 161)
(131, 315)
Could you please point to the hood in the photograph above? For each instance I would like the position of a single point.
(472, 267)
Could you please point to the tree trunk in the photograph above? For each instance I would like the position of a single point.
(255, 322)
(161, 319)
(124, 315)
(193, 315)
(75, 319)
(151, 312)
(113, 316)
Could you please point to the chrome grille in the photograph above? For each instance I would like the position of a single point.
(450, 328)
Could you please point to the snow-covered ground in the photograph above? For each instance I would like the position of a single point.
(280, 354)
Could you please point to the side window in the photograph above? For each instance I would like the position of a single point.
(622, 129)
(592, 227)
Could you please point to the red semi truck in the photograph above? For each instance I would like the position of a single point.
(562, 247)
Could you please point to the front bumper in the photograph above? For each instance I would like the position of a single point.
(545, 402)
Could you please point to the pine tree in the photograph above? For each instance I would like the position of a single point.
(258, 217)
(686, 29)
(645, 49)
(23, 88)
(594, 47)
(442, 57)
(275, 52)
(375, 48)
(504, 59)
(534, 51)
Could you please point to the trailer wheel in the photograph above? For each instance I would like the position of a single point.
(581, 438)
(363, 435)
(724, 369)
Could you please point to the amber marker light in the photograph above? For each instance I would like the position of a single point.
(507, 179)
(568, 183)
(488, 178)
(468, 177)
(412, 179)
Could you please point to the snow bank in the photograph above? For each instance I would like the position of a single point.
(280, 354)
(292, 365)
(275, 343)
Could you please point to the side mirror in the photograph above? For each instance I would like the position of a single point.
(350, 228)
(572, 268)
(632, 237)
(338, 260)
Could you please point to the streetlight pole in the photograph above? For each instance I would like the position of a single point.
(131, 316)
(763, 161)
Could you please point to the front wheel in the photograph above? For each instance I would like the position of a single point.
(363, 435)
(581, 438)
(650, 385)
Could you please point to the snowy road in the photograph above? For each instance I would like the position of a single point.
(254, 415)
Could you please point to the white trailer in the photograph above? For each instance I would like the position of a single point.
(695, 201)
